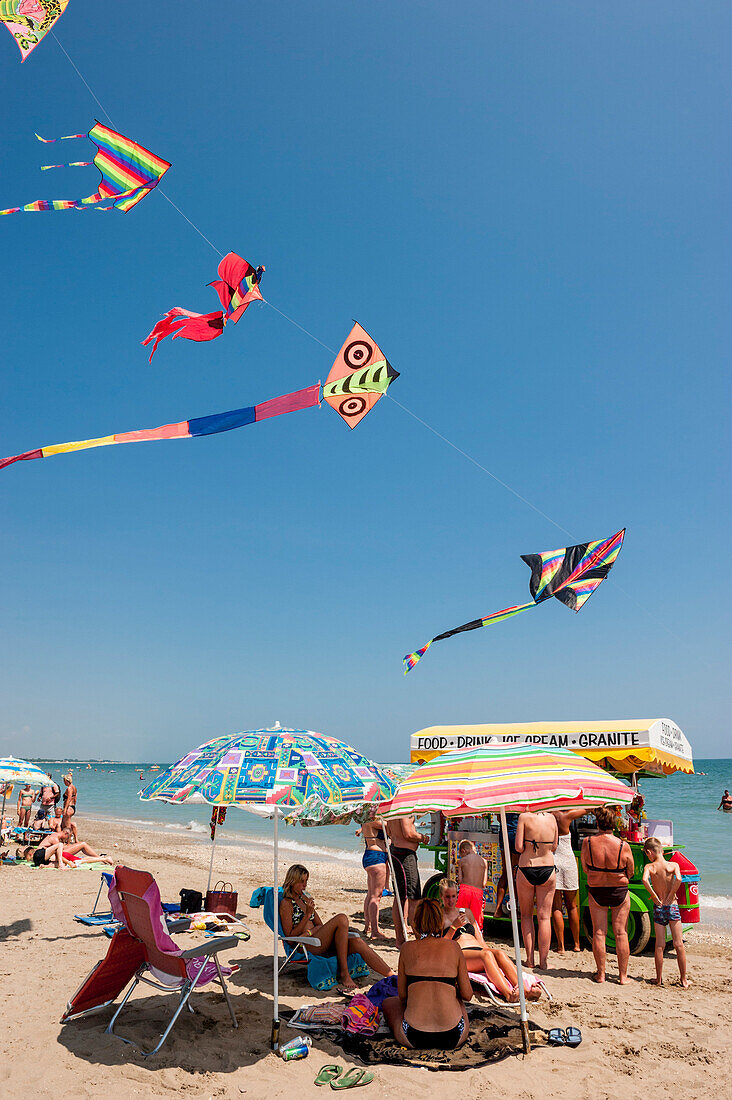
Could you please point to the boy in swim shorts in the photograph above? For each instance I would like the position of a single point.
(662, 878)
(472, 871)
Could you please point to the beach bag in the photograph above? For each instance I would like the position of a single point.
(323, 970)
(191, 901)
(222, 900)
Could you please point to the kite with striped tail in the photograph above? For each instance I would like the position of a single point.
(570, 575)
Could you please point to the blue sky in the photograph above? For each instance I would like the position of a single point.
(526, 205)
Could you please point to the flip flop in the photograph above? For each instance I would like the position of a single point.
(328, 1074)
(557, 1036)
(353, 1078)
(347, 990)
(574, 1036)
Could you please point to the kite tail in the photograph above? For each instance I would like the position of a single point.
(411, 659)
(69, 164)
(64, 137)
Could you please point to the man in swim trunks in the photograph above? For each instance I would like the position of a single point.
(608, 863)
(405, 840)
(662, 879)
(47, 797)
(511, 827)
(472, 873)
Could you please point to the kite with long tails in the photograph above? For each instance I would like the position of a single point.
(351, 390)
(129, 172)
(570, 575)
(237, 286)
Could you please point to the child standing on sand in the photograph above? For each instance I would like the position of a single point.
(662, 879)
(472, 871)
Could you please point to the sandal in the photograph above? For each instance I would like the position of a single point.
(352, 1078)
(328, 1074)
(557, 1037)
(347, 990)
(574, 1036)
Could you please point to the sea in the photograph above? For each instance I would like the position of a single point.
(110, 790)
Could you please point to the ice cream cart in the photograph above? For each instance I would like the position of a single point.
(633, 749)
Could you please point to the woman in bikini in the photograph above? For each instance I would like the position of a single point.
(609, 866)
(299, 918)
(536, 842)
(26, 798)
(460, 926)
(376, 866)
(433, 984)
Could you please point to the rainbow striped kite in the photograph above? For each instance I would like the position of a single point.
(129, 172)
(570, 574)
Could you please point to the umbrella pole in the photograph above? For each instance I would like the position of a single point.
(516, 941)
(400, 906)
(210, 865)
(2, 812)
(275, 1037)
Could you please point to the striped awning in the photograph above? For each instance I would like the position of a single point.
(509, 777)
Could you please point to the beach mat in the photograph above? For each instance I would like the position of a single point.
(495, 1034)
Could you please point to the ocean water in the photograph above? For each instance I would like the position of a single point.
(111, 790)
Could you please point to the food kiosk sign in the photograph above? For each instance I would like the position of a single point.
(655, 744)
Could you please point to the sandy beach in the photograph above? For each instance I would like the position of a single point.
(665, 1042)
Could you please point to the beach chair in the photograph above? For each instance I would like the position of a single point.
(106, 920)
(135, 896)
(321, 969)
(296, 947)
(491, 991)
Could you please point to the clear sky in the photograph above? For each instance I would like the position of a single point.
(527, 206)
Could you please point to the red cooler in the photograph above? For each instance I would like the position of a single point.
(687, 895)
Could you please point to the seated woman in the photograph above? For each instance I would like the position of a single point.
(459, 925)
(433, 984)
(299, 918)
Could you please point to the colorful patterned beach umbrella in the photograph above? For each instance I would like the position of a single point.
(510, 777)
(277, 768)
(273, 767)
(314, 812)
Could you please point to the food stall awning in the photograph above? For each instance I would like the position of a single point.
(646, 746)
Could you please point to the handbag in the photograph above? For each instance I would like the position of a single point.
(191, 901)
(222, 900)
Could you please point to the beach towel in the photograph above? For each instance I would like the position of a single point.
(470, 897)
(385, 987)
(495, 1034)
(360, 1016)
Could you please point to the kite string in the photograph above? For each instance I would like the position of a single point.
(312, 336)
(106, 113)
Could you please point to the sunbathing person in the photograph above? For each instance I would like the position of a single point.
(433, 984)
(460, 926)
(299, 918)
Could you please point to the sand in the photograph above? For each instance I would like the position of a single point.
(636, 1039)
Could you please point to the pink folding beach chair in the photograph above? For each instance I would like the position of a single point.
(135, 899)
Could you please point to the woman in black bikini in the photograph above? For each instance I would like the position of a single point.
(537, 837)
(609, 865)
(433, 983)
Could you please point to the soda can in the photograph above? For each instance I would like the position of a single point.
(298, 1041)
(295, 1053)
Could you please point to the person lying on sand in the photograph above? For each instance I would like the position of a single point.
(299, 918)
(55, 849)
(460, 926)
